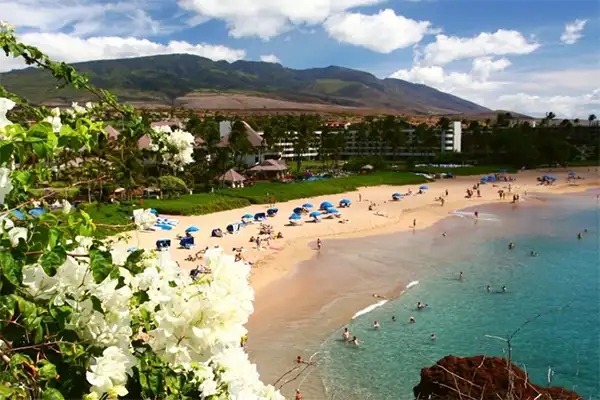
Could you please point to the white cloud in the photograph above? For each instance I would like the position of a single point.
(269, 18)
(447, 49)
(383, 32)
(62, 47)
(572, 31)
(576, 106)
(270, 58)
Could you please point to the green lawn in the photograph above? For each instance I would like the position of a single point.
(196, 204)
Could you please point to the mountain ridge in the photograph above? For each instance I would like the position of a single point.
(169, 79)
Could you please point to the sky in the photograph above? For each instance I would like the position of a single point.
(528, 56)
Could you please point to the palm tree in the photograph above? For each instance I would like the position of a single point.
(591, 118)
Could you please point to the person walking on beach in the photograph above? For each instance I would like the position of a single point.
(319, 244)
(298, 395)
(414, 223)
(359, 197)
(446, 192)
(476, 214)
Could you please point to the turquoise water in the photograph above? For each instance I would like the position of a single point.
(562, 283)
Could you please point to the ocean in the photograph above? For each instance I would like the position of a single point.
(555, 294)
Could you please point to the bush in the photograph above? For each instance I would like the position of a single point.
(172, 185)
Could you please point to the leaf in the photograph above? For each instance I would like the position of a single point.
(62, 314)
(52, 260)
(97, 304)
(6, 150)
(11, 269)
(52, 394)
(40, 238)
(7, 307)
(101, 264)
(47, 372)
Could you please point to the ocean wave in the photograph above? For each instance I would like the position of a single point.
(372, 307)
(471, 215)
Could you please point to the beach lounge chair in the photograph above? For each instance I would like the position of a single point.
(217, 233)
(164, 227)
(163, 244)
(187, 242)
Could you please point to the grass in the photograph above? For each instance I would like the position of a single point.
(261, 192)
(110, 214)
(460, 171)
(196, 204)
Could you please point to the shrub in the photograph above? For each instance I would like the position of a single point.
(196, 204)
(172, 185)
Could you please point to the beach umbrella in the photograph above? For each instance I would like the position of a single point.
(315, 214)
(153, 211)
(36, 212)
(345, 201)
(18, 214)
(245, 216)
(483, 178)
(396, 194)
(298, 210)
(423, 187)
(192, 229)
(307, 205)
(295, 217)
(325, 205)
(332, 211)
(272, 210)
(260, 215)
(571, 173)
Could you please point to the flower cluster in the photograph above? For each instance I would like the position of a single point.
(176, 146)
(196, 325)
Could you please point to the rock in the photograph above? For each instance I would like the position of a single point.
(481, 378)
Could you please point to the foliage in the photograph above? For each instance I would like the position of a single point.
(172, 185)
(81, 320)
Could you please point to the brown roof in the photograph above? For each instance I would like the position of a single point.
(232, 176)
(271, 165)
(254, 138)
(165, 123)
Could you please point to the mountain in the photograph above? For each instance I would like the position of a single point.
(183, 79)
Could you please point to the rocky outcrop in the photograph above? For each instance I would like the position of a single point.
(481, 378)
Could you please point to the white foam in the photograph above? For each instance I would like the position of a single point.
(470, 214)
(411, 284)
(369, 308)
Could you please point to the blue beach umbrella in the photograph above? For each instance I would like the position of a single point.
(295, 217)
(571, 173)
(325, 205)
(18, 214)
(396, 194)
(332, 211)
(315, 214)
(245, 216)
(307, 205)
(423, 187)
(272, 210)
(153, 211)
(345, 201)
(36, 212)
(192, 229)
(484, 179)
(298, 210)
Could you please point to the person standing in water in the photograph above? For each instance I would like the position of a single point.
(376, 325)
(298, 395)
(504, 289)
(411, 320)
(355, 341)
(346, 334)
(319, 244)
(489, 288)
(461, 276)
(476, 214)
(433, 337)
(579, 236)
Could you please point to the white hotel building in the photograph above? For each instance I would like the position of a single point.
(450, 141)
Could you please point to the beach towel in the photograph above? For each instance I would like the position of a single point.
(164, 227)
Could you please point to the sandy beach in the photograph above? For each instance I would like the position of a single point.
(274, 260)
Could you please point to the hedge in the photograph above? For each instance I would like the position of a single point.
(196, 204)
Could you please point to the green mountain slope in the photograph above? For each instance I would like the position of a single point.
(162, 79)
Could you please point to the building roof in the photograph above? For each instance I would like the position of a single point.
(271, 165)
(166, 123)
(232, 176)
(254, 138)
(144, 141)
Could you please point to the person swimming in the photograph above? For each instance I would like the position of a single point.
(579, 236)
(461, 276)
(411, 320)
(393, 318)
(346, 334)
(355, 341)
(504, 289)
(511, 246)
(376, 325)
(533, 253)
(489, 288)
(433, 337)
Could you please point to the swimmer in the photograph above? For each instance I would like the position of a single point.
(376, 325)
(433, 337)
(411, 320)
(533, 253)
(346, 334)
(579, 236)
(476, 214)
(489, 288)
(355, 341)
(504, 289)
(461, 276)
(393, 318)
(511, 246)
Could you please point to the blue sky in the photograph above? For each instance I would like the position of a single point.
(523, 55)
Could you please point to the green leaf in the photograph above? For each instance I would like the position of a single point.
(52, 394)
(47, 372)
(18, 359)
(101, 264)
(7, 307)
(6, 150)
(11, 269)
(6, 392)
(62, 314)
(40, 238)
(52, 260)
(97, 304)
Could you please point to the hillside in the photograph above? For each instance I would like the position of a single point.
(183, 79)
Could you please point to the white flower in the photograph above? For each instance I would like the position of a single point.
(109, 373)
(89, 105)
(6, 26)
(55, 112)
(17, 233)
(144, 219)
(178, 146)
(5, 183)
(5, 223)
(66, 206)
(77, 108)
(55, 122)
(5, 105)
(38, 284)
